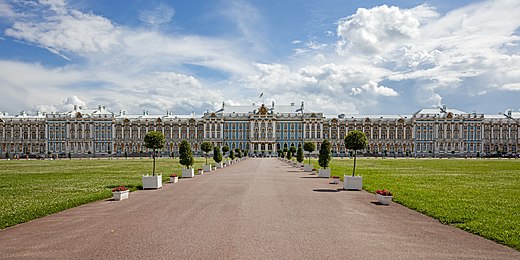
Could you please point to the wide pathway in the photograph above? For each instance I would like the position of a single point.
(256, 209)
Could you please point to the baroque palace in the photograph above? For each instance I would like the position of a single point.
(260, 129)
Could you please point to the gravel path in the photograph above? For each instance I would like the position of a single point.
(256, 209)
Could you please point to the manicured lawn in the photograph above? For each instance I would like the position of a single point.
(33, 189)
(479, 196)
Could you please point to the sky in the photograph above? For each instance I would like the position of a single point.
(338, 56)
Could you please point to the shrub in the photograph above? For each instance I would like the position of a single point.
(185, 154)
(217, 155)
(154, 140)
(299, 155)
(325, 155)
(206, 147)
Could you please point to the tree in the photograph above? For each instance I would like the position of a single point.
(299, 155)
(246, 153)
(238, 152)
(206, 147)
(154, 140)
(232, 154)
(356, 140)
(185, 154)
(225, 149)
(292, 150)
(288, 155)
(284, 152)
(309, 147)
(217, 155)
(325, 155)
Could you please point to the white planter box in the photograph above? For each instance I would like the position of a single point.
(207, 168)
(200, 171)
(385, 200)
(324, 173)
(353, 183)
(335, 180)
(174, 179)
(220, 165)
(308, 167)
(152, 182)
(120, 195)
(188, 173)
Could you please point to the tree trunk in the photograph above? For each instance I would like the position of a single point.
(206, 158)
(153, 156)
(354, 170)
(309, 158)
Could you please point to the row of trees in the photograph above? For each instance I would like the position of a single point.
(355, 140)
(155, 140)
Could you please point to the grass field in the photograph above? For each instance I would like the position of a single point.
(479, 196)
(33, 189)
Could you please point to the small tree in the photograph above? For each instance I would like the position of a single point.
(309, 147)
(206, 147)
(288, 155)
(225, 149)
(299, 155)
(284, 152)
(154, 140)
(185, 154)
(7, 155)
(292, 150)
(356, 140)
(325, 155)
(232, 154)
(239, 152)
(217, 155)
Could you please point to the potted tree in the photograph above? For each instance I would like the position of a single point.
(217, 156)
(206, 147)
(232, 156)
(225, 149)
(309, 147)
(355, 140)
(186, 159)
(153, 140)
(324, 159)
(299, 156)
(238, 151)
(288, 156)
(292, 150)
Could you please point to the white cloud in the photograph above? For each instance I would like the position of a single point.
(6, 10)
(374, 89)
(162, 13)
(511, 87)
(371, 31)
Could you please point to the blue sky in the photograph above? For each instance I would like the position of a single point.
(352, 57)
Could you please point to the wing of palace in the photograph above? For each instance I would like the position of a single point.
(260, 129)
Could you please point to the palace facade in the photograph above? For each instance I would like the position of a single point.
(260, 129)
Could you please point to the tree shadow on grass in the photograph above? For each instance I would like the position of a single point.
(326, 190)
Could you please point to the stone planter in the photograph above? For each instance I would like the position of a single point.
(220, 165)
(207, 168)
(308, 167)
(188, 173)
(174, 179)
(324, 173)
(152, 182)
(353, 182)
(384, 200)
(335, 180)
(120, 195)
(200, 171)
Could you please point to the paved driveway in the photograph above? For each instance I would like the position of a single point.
(257, 209)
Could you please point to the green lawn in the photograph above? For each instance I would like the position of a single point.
(33, 189)
(479, 196)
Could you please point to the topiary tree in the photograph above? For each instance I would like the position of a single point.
(232, 155)
(292, 150)
(309, 147)
(239, 152)
(299, 155)
(225, 149)
(154, 140)
(185, 154)
(356, 140)
(325, 155)
(206, 147)
(217, 155)
(288, 155)
(284, 152)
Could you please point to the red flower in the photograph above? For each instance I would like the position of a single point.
(335, 177)
(384, 192)
(173, 175)
(119, 188)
